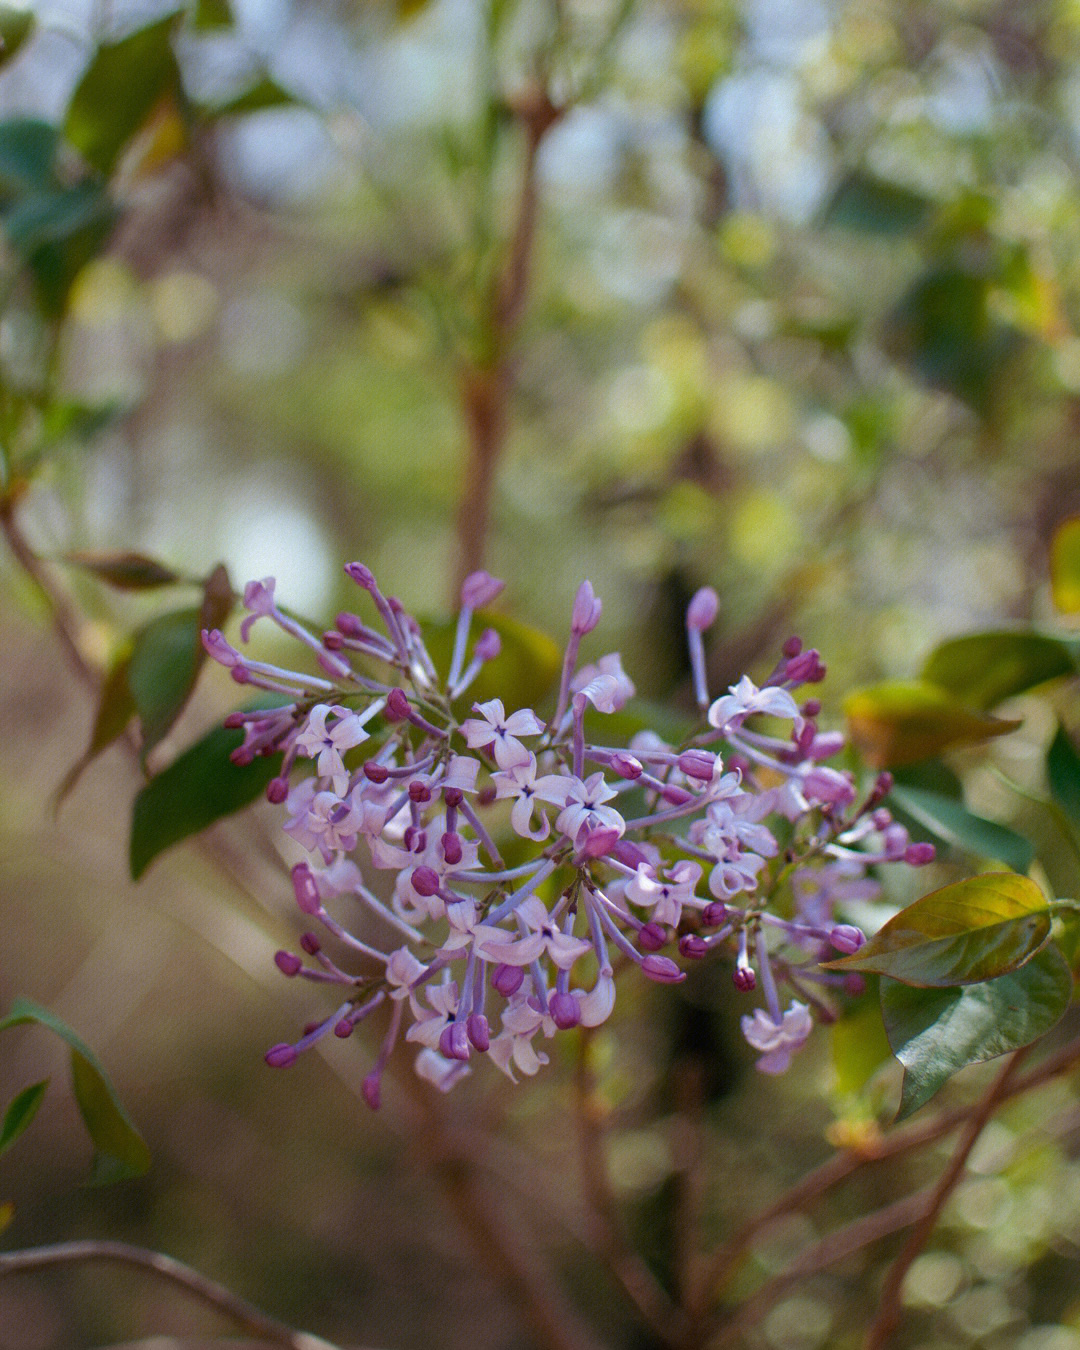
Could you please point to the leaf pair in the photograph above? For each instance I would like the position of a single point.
(120, 1151)
(968, 975)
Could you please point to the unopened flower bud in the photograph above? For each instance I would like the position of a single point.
(702, 610)
(344, 1028)
(674, 795)
(714, 914)
(419, 791)
(240, 675)
(806, 668)
(478, 1031)
(332, 641)
(565, 1011)
(595, 843)
(425, 881)
(234, 721)
(479, 589)
(451, 847)
(375, 772)
(415, 840)
(881, 818)
(896, 840)
(698, 764)
(288, 963)
(811, 708)
(652, 936)
(310, 943)
(693, 946)
(398, 707)
(363, 576)
(918, 855)
(307, 893)
(662, 969)
(454, 1041)
(280, 1056)
(453, 796)
(792, 647)
(586, 611)
(744, 979)
(349, 625)
(488, 645)
(845, 937)
(883, 784)
(507, 979)
(371, 1090)
(854, 984)
(626, 766)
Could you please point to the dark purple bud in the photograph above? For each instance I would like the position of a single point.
(287, 962)
(854, 984)
(702, 610)
(845, 937)
(479, 1033)
(675, 796)
(240, 674)
(280, 1056)
(415, 840)
(398, 707)
(812, 707)
(451, 847)
(744, 979)
(233, 721)
(883, 784)
(307, 893)
(652, 936)
(343, 1028)
(479, 589)
(595, 843)
(693, 946)
(507, 979)
(626, 766)
(333, 642)
(277, 790)
(628, 853)
(349, 625)
(565, 1011)
(454, 1041)
(585, 614)
(453, 796)
(714, 914)
(792, 647)
(425, 880)
(806, 668)
(918, 855)
(698, 764)
(419, 791)
(488, 645)
(363, 576)
(662, 969)
(310, 943)
(242, 756)
(486, 796)
(375, 772)
(370, 1089)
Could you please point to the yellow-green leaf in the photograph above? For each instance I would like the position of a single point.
(899, 722)
(1065, 566)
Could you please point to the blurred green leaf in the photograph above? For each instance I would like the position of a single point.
(116, 708)
(208, 15)
(120, 89)
(56, 232)
(858, 1044)
(16, 25)
(864, 202)
(950, 822)
(7, 1213)
(27, 153)
(982, 669)
(1063, 773)
(21, 1112)
(1065, 566)
(120, 1149)
(932, 776)
(197, 789)
(525, 670)
(265, 93)
(125, 570)
(935, 1033)
(899, 722)
(971, 931)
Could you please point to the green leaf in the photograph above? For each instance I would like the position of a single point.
(197, 789)
(858, 1045)
(21, 1112)
(56, 232)
(936, 1032)
(265, 93)
(120, 1149)
(525, 670)
(1063, 773)
(119, 90)
(27, 153)
(116, 708)
(1065, 566)
(950, 822)
(16, 25)
(863, 202)
(982, 669)
(973, 930)
(126, 571)
(208, 15)
(899, 722)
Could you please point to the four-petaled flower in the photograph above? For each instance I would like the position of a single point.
(665, 898)
(520, 781)
(584, 808)
(494, 728)
(778, 1041)
(543, 936)
(745, 698)
(330, 743)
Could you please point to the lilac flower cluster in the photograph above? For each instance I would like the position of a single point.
(629, 850)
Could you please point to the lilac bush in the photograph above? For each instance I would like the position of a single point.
(736, 842)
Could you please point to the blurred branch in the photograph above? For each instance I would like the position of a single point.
(246, 1316)
(650, 1298)
(888, 1318)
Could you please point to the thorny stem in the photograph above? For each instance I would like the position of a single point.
(888, 1318)
(245, 1315)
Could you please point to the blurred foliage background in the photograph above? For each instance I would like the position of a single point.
(798, 320)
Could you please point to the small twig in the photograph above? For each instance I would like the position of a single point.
(245, 1315)
(888, 1318)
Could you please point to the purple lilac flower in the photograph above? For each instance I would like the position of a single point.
(627, 849)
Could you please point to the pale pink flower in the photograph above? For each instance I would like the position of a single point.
(606, 685)
(513, 1045)
(520, 781)
(321, 820)
(585, 809)
(543, 936)
(745, 698)
(440, 1072)
(493, 727)
(665, 897)
(330, 743)
(777, 1041)
(443, 999)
